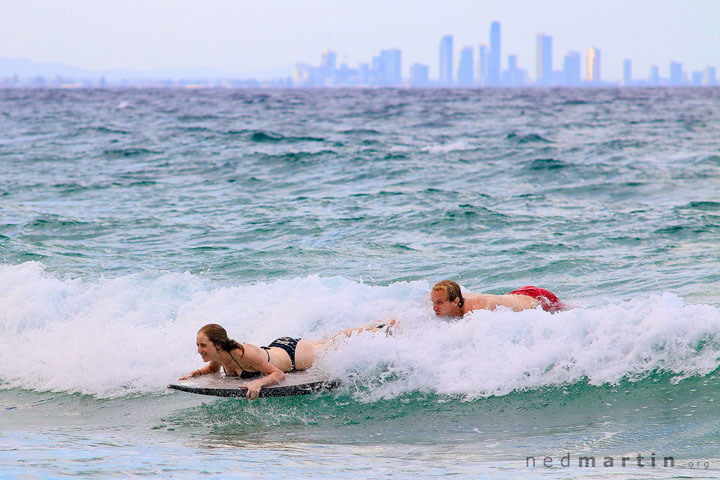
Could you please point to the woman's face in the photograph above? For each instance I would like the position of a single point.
(206, 348)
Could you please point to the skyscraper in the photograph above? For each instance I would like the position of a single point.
(571, 69)
(392, 58)
(365, 73)
(709, 76)
(676, 73)
(387, 68)
(654, 75)
(514, 76)
(326, 70)
(593, 65)
(329, 58)
(346, 76)
(446, 60)
(419, 75)
(465, 69)
(306, 75)
(494, 55)
(482, 66)
(627, 72)
(696, 78)
(544, 59)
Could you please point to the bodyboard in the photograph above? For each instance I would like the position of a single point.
(219, 385)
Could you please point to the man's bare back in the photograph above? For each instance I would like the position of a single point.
(486, 301)
(448, 300)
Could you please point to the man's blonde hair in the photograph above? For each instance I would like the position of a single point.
(451, 288)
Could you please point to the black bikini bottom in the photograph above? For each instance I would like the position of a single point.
(289, 345)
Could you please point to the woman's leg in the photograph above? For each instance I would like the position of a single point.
(373, 327)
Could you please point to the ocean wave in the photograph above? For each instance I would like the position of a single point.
(261, 136)
(459, 146)
(547, 164)
(709, 206)
(130, 152)
(133, 334)
(300, 157)
(529, 138)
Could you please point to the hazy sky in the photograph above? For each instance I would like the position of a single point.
(253, 36)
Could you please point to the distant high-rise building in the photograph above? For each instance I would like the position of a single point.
(393, 65)
(365, 73)
(482, 66)
(676, 73)
(326, 71)
(346, 76)
(627, 72)
(709, 76)
(571, 69)
(466, 75)
(377, 71)
(329, 58)
(654, 75)
(446, 60)
(387, 68)
(493, 77)
(697, 78)
(419, 75)
(514, 76)
(544, 70)
(593, 65)
(305, 75)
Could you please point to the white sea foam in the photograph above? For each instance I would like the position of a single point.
(135, 333)
(448, 147)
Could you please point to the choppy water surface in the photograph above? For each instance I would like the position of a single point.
(130, 218)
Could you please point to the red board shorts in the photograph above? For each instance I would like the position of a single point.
(548, 301)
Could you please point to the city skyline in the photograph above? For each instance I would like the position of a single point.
(257, 39)
(385, 70)
(483, 66)
(475, 66)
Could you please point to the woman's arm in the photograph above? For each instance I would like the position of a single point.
(211, 367)
(255, 362)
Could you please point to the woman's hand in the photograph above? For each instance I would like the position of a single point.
(253, 390)
(254, 361)
(194, 373)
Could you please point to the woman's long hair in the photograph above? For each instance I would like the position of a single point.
(219, 337)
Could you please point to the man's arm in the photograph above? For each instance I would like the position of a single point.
(516, 303)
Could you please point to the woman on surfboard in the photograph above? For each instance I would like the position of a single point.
(269, 364)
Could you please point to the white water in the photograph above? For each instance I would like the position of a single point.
(134, 334)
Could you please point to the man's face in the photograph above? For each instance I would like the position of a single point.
(441, 306)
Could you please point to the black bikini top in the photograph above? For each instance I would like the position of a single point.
(245, 373)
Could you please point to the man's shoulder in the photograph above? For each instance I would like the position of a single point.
(476, 301)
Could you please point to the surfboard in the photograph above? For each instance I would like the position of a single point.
(219, 385)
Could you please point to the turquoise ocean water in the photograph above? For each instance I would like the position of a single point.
(130, 218)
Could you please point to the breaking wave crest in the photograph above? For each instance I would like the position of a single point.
(133, 334)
